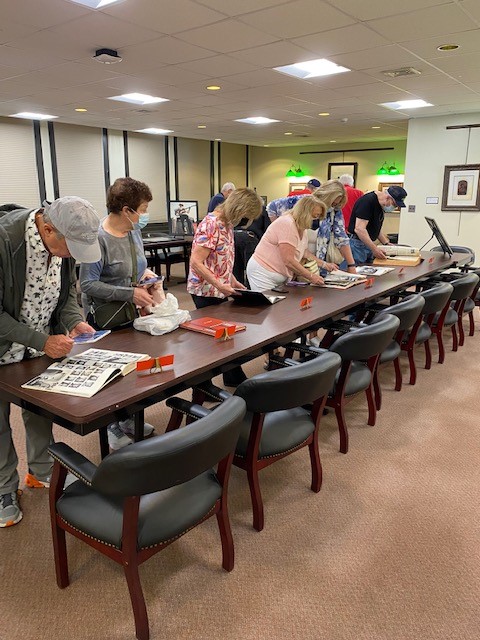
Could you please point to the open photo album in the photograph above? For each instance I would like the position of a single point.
(342, 280)
(85, 374)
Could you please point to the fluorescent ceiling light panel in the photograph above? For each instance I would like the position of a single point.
(406, 104)
(312, 69)
(32, 116)
(157, 132)
(138, 98)
(95, 4)
(257, 120)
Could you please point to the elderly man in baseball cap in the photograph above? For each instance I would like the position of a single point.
(39, 315)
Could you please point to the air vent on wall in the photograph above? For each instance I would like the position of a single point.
(404, 71)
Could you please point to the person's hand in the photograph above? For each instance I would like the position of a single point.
(228, 290)
(317, 280)
(329, 266)
(142, 297)
(82, 327)
(378, 253)
(352, 270)
(58, 346)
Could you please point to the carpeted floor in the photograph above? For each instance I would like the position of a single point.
(388, 550)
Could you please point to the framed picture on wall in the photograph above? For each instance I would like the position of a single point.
(182, 217)
(461, 190)
(265, 201)
(296, 186)
(337, 169)
(383, 186)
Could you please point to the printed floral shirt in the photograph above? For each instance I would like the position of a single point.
(333, 222)
(42, 290)
(277, 208)
(214, 235)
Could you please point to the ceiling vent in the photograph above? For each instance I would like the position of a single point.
(404, 71)
(301, 135)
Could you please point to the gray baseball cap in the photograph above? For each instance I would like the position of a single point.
(78, 222)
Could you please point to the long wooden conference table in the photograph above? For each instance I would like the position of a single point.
(198, 357)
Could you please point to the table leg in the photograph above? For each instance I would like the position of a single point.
(102, 435)
(139, 422)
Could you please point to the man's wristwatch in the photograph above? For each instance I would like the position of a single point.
(351, 265)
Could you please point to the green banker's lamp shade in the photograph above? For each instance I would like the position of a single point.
(383, 171)
(291, 173)
(393, 171)
(299, 173)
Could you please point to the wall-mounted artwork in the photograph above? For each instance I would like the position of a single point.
(383, 186)
(182, 217)
(296, 186)
(337, 169)
(461, 190)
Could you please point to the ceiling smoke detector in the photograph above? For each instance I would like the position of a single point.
(404, 71)
(107, 56)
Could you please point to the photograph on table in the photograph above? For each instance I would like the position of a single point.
(461, 190)
(337, 169)
(182, 217)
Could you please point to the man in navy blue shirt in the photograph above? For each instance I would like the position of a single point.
(217, 199)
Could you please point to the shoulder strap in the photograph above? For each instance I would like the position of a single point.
(134, 259)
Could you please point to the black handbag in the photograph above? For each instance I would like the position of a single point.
(117, 313)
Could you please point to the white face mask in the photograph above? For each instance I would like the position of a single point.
(389, 208)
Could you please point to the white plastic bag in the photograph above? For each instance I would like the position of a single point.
(164, 317)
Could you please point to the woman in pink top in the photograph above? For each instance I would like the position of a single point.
(278, 255)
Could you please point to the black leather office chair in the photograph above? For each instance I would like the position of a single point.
(142, 498)
(276, 423)
(459, 249)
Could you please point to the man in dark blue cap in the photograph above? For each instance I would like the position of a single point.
(365, 225)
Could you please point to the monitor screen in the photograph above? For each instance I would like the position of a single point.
(439, 236)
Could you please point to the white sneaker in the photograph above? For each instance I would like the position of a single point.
(128, 427)
(313, 342)
(117, 439)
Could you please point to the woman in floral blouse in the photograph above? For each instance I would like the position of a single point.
(211, 278)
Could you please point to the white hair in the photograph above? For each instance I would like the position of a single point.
(228, 186)
(346, 179)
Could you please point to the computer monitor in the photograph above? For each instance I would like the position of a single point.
(447, 249)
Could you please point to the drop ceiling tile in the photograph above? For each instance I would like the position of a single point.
(232, 36)
(26, 60)
(345, 40)
(11, 31)
(218, 66)
(390, 56)
(159, 52)
(168, 16)
(363, 10)
(469, 42)
(41, 14)
(460, 63)
(434, 21)
(275, 54)
(10, 72)
(235, 8)
(62, 47)
(472, 7)
(420, 83)
(290, 20)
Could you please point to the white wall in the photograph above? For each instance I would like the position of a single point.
(430, 147)
(18, 169)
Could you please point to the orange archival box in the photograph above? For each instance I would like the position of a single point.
(211, 326)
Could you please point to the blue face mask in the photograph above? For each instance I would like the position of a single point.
(143, 219)
(389, 208)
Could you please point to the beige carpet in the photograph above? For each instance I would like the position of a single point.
(388, 550)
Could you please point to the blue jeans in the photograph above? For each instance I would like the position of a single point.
(361, 253)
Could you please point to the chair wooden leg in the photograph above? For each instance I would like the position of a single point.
(316, 464)
(138, 601)
(342, 427)
(454, 338)
(471, 320)
(175, 421)
(413, 366)
(377, 391)
(226, 538)
(168, 267)
(461, 332)
(428, 358)
(256, 496)
(441, 348)
(398, 372)
(60, 555)
(372, 412)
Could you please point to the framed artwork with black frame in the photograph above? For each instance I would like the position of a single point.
(337, 169)
(182, 217)
(461, 189)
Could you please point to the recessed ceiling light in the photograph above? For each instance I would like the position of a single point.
(32, 116)
(312, 69)
(406, 104)
(256, 120)
(81, 110)
(332, 141)
(376, 127)
(288, 133)
(324, 113)
(138, 98)
(218, 139)
(448, 47)
(156, 132)
(213, 87)
(201, 126)
(95, 4)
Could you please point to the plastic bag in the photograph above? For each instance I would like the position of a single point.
(164, 317)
